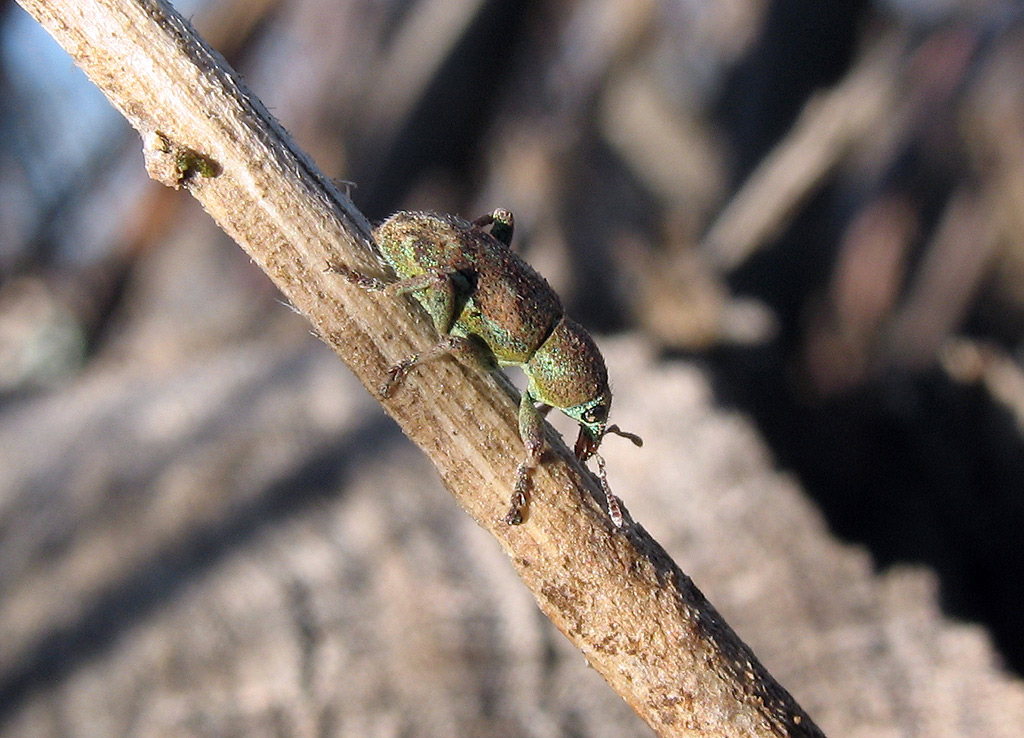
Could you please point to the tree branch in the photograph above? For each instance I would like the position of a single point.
(638, 619)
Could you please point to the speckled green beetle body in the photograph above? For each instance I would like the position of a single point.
(487, 302)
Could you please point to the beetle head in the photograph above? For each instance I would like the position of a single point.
(592, 418)
(568, 372)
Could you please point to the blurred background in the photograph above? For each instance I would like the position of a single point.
(797, 229)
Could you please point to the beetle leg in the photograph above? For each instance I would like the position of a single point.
(399, 287)
(357, 278)
(531, 430)
(448, 345)
(425, 281)
(501, 223)
(373, 284)
(443, 294)
(444, 291)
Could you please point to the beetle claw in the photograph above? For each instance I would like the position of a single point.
(515, 514)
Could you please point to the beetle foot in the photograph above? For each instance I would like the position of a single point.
(396, 374)
(518, 504)
(501, 223)
(514, 516)
(614, 508)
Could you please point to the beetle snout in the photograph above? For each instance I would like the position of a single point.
(589, 439)
(587, 442)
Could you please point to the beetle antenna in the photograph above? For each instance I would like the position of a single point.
(637, 440)
(614, 509)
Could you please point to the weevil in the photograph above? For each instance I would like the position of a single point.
(489, 304)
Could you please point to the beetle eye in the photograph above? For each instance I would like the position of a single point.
(597, 414)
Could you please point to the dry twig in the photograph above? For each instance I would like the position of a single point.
(638, 619)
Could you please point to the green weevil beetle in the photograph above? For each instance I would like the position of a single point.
(489, 304)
